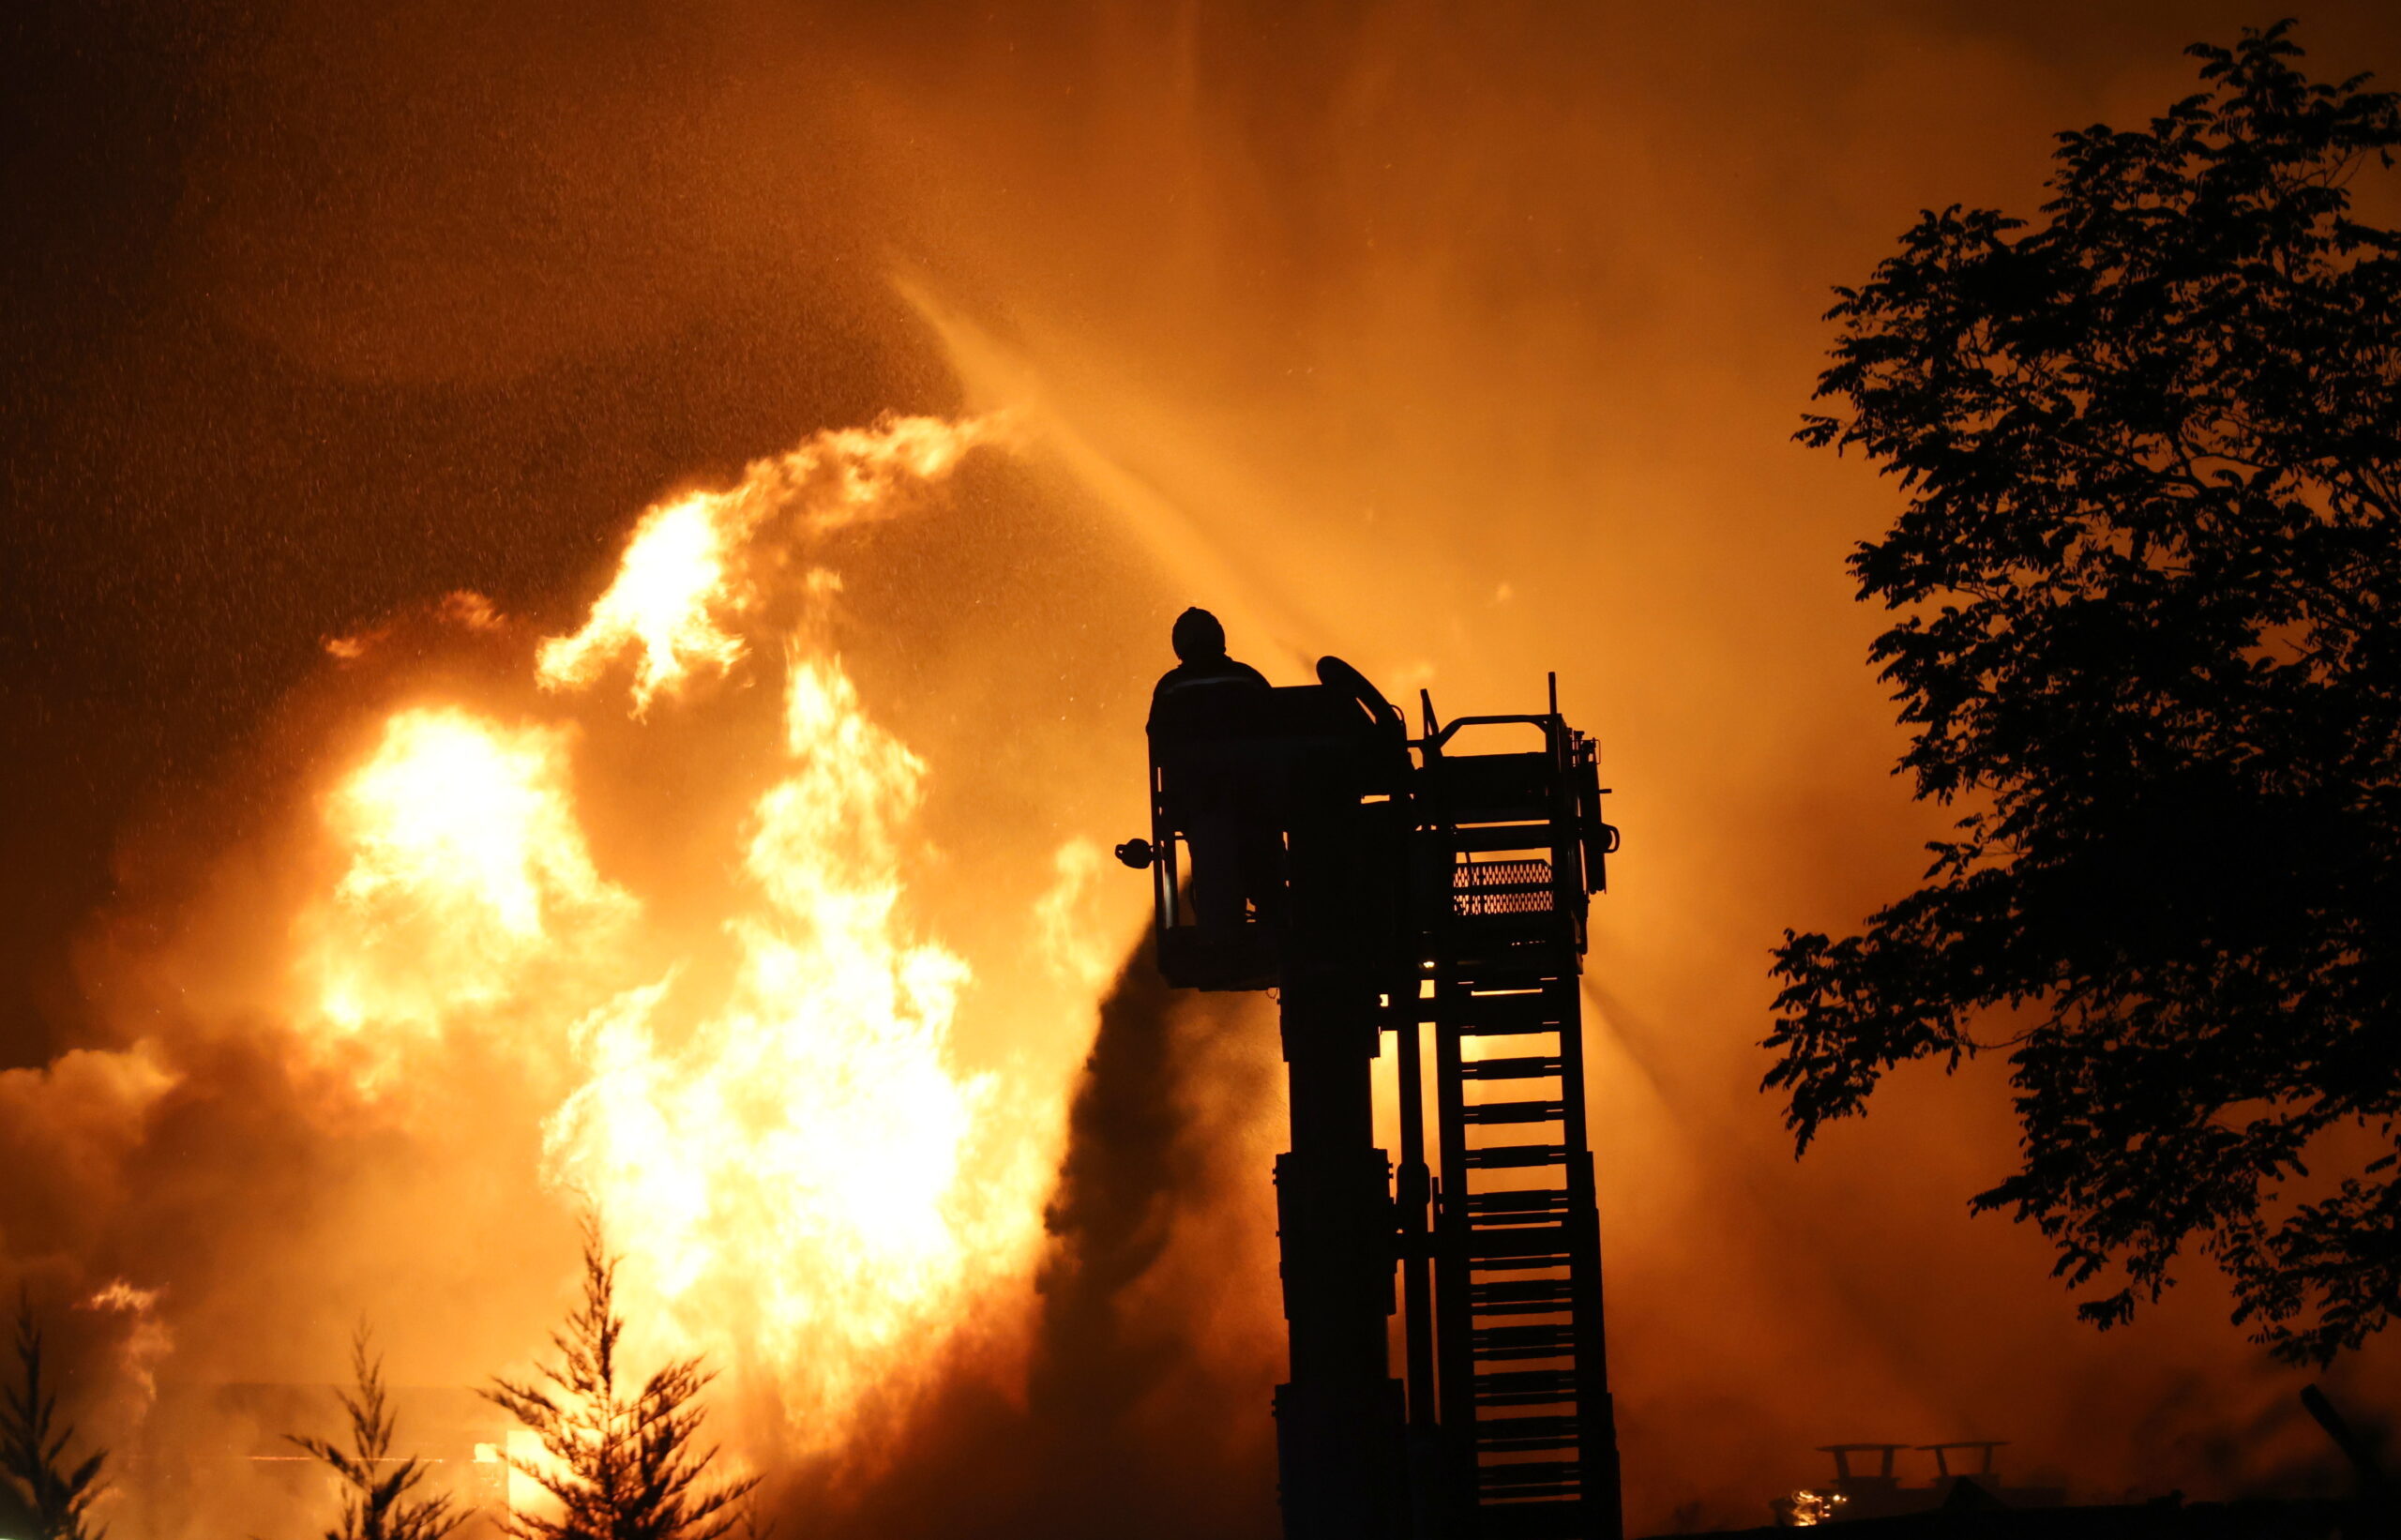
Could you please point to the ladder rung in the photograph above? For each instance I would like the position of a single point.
(1486, 980)
(1528, 1432)
(1479, 930)
(1514, 1111)
(1525, 1201)
(1509, 1069)
(1523, 1297)
(1542, 1010)
(1511, 1027)
(1525, 1387)
(1493, 1343)
(1545, 944)
(1563, 1474)
(1522, 1242)
(1505, 837)
(1509, 1156)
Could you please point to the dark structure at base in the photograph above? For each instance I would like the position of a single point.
(2170, 1518)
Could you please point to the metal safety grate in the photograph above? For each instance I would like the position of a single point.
(1501, 887)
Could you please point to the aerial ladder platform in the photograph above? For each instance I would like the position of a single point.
(1435, 888)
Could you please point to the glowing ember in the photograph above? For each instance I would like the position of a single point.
(1807, 1507)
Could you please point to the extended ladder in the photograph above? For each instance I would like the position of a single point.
(1510, 845)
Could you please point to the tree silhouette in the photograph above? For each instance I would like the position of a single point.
(378, 1504)
(622, 1466)
(33, 1447)
(2148, 573)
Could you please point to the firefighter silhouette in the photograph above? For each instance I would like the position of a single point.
(1207, 716)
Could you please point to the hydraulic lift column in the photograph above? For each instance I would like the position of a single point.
(1337, 1420)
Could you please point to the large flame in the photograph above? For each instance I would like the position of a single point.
(673, 575)
(802, 1180)
(469, 883)
(798, 1173)
(688, 571)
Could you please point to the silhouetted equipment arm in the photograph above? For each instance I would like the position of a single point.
(1412, 887)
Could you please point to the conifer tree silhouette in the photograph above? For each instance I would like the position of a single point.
(33, 1447)
(379, 1502)
(621, 1466)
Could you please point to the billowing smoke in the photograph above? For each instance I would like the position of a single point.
(1156, 1223)
(1145, 1351)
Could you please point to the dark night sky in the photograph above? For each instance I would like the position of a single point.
(259, 391)
(193, 509)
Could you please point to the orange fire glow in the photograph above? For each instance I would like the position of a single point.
(802, 1181)
(801, 1172)
(469, 883)
(690, 568)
